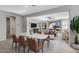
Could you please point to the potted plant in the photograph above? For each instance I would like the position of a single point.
(75, 27)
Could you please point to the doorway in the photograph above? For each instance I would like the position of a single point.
(10, 26)
(7, 27)
(13, 25)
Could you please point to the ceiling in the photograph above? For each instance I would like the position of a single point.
(54, 16)
(21, 10)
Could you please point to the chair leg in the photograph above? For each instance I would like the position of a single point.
(38, 41)
(48, 43)
(28, 50)
(42, 45)
(38, 51)
(12, 44)
(43, 42)
(42, 50)
(18, 48)
(15, 46)
(35, 51)
(24, 49)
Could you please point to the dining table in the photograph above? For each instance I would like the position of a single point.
(38, 37)
(35, 35)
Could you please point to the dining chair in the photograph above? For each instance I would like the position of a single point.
(33, 45)
(15, 41)
(22, 43)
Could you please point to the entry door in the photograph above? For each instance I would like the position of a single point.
(13, 25)
(7, 27)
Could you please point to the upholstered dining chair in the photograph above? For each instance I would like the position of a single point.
(22, 43)
(15, 41)
(33, 45)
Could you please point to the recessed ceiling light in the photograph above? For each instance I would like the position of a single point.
(33, 5)
(26, 6)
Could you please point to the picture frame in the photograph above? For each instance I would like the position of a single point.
(44, 25)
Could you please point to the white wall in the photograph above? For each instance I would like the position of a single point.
(28, 26)
(3, 16)
(65, 24)
(74, 11)
(24, 24)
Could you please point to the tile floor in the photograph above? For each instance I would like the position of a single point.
(56, 46)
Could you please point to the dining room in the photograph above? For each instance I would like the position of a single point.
(44, 33)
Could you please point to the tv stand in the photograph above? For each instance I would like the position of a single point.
(35, 30)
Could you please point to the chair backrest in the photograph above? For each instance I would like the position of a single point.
(32, 44)
(22, 40)
(14, 37)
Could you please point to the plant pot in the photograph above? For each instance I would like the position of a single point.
(78, 37)
(75, 46)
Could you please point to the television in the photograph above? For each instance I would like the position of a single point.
(33, 25)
